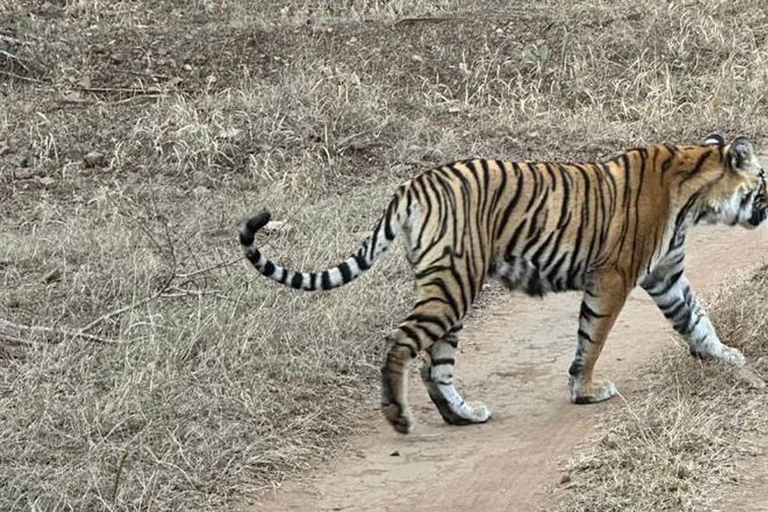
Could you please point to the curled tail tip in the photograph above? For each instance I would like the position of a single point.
(249, 228)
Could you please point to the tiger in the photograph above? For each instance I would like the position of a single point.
(599, 227)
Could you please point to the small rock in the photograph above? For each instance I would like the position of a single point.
(230, 133)
(23, 174)
(566, 478)
(85, 82)
(278, 226)
(73, 97)
(94, 159)
(27, 107)
(47, 181)
(6, 148)
(499, 30)
(53, 275)
(609, 442)
(60, 46)
(29, 160)
(417, 58)
(395, 454)
(200, 191)
(187, 67)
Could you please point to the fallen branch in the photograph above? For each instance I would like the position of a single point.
(129, 307)
(14, 58)
(138, 97)
(15, 341)
(7, 325)
(23, 78)
(11, 37)
(212, 267)
(158, 293)
(129, 90)
(150, 75)
(175, 292)
(135, 91)
(13, 40)
(412, 21)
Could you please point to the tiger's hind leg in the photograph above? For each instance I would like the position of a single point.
(439, 306)
(400, 350)
(437, 375)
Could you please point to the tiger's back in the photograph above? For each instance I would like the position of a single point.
(539, 226)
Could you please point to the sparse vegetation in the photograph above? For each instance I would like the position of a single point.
(135, 135)
(682, 440)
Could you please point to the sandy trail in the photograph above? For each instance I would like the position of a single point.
(514, 359)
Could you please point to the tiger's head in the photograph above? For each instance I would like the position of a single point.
(728, 183)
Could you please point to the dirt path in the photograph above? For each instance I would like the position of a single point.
(515, 359)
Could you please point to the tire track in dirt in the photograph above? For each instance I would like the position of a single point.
(515, 359)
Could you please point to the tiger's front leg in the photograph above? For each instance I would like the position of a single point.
(600, 307)
(673, 294)
(437, 375)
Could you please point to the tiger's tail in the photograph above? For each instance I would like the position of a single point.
(387, 227)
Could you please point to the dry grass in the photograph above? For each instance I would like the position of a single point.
(679, 442)
(134, 135)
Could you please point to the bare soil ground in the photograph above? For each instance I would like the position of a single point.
(752, 495)
(515, 359)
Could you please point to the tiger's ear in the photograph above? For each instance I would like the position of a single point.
(742, 152)
(714, 139)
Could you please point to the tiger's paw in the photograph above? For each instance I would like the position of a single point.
(728, 355)
(399, 417)
(733, 356)
(467, 414)
(597, 390)
(452, 407)
(478, 412)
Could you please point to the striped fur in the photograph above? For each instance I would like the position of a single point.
(601, 228)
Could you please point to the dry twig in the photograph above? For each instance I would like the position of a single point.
(129, 307)
(18, 60)
(424, 19)
(23, 78)
(32, 329)
(208, 269)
